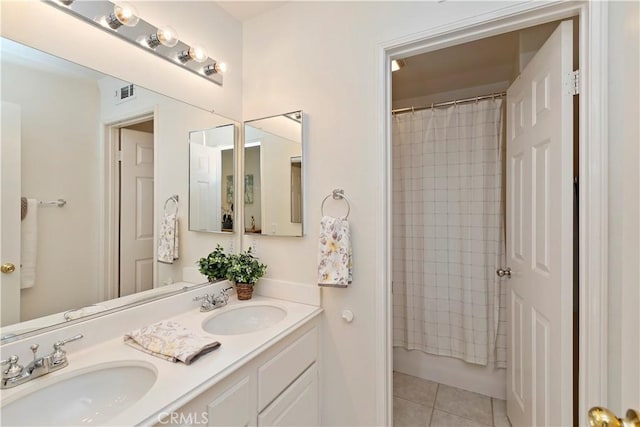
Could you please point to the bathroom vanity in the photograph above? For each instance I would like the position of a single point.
(264, 373)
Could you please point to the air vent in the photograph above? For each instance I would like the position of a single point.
(125, 93)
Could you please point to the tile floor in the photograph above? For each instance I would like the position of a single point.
(423, 403)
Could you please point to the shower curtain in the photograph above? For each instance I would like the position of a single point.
(448, 232)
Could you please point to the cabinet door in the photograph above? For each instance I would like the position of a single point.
(233, 406)
(297, 405)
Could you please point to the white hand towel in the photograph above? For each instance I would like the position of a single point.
(334, 253)
(29, 245)
(168, 239)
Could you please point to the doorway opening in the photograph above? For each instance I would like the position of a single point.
(130, 261)
(448, 240)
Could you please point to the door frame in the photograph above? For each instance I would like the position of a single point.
(593, 194)
(111, 138)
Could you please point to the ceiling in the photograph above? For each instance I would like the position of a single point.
(482, 62)
(245, 10)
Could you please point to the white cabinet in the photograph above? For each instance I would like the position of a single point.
(278, 387)
(233, 406)
(297, 405)
(278, 372)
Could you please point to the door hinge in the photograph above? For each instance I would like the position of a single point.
(575, 82)
(119, 156)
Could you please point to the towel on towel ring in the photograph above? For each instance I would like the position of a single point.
(335, 257)
(168, 239)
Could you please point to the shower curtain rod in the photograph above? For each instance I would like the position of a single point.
(446, 104)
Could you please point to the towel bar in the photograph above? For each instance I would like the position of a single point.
(337, 194)
(59, 203)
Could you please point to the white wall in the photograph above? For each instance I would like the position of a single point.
(172, 125)
(624, 209)
(327, 66)
(60, 153)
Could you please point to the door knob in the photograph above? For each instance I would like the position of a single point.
(8, 268)
(506, 272)
(602, 417)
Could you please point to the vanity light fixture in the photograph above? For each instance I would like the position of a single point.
(165, 36)
(218, 67)
(122, 20)
(194, 53)
(123, 14)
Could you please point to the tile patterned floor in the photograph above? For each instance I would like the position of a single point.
(423, 403)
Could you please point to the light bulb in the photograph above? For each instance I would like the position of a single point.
(217, 68)
(165, 36)
(221, 67)
(194, 53)
(123, 14)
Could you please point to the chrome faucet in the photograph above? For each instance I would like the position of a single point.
(211, 302)
(16, 374)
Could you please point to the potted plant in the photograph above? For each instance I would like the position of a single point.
(215, 265)
(244, 271)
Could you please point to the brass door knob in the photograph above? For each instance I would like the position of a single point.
(603, 417)
(8, 268)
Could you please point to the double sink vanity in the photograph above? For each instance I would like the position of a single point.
(264, 373)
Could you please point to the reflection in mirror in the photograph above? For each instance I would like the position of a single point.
(211, 173)
(114, 152)
(273, 167)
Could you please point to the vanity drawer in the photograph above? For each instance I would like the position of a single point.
(297, 405)
(276, 374)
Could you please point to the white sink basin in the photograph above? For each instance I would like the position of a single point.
(243, 319)
(90, 397)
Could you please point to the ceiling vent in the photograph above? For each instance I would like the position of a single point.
(125, 93)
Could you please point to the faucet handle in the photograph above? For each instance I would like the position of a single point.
(59, 355)
(223, 293)
(34, 350)
(58, 344)
(14, 370)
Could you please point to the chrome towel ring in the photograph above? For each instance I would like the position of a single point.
(337, 194)
(173, 199)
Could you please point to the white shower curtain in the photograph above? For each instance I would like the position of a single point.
(448, 232)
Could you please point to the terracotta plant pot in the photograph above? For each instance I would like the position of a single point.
(244, 291)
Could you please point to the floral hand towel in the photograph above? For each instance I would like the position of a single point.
(334, 255)
(168, 239)
(170, 341)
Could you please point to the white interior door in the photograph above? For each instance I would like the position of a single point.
(136, 211)
(539, 236)
(10, 214)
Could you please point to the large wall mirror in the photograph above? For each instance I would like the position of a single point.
(273, 175)
(92, 168)
(211, 179)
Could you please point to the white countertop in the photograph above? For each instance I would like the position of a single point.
(177, 383)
